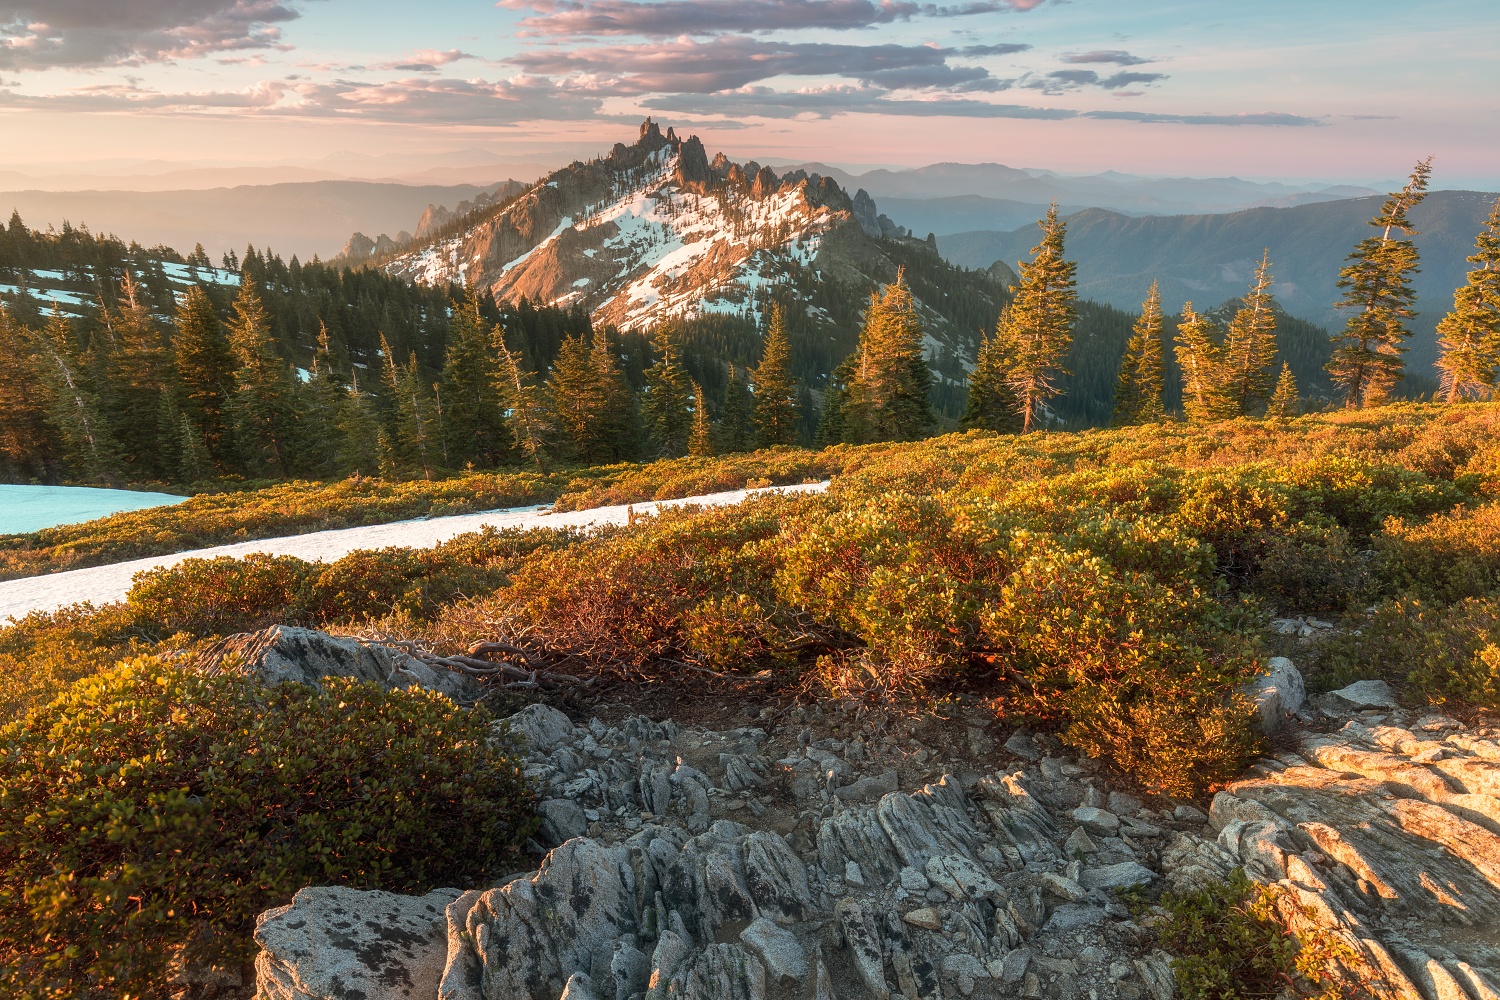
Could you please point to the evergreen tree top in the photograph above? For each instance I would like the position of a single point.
(1393, 213)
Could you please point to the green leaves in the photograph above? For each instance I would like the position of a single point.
(219, 799)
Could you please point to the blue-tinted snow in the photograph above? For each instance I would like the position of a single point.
(31, 508)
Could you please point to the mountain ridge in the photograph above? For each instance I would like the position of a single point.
(1208, 258)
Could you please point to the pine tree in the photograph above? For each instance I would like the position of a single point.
(359, 444)
(1250, 346)
(1366, 362)
(1138, 390)
(992, 405)
(1284, 401)
(474, 420)
(28, 447)
(775, 388)
(831, 419)
(579, 398)
(1200, 359)
(205, 370)
(139, 373)
(74, 407)
(620, 418)
(194, 465)
(261, 406)
(1039, 329)
(529, 416)
(701, 439)
(1469, 336)
(886, 398)
(168, 457)
(667, 403)
(414, 438)
(736, 427)
(318, 401)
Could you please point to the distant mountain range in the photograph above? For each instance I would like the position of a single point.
(958, 197)
(304, 218)
(1210, 258)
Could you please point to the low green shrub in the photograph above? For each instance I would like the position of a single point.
(1312, 568)
(1230, 942)
(1139, 671)
(1432, 653)
(150, 813)
(221, 595)
(1446, 558)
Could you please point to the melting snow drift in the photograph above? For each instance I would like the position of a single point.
(32, 508)
(105, 584)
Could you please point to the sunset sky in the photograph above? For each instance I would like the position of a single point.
(1337, 90)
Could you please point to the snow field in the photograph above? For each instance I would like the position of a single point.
(32, 508)
(107, 584)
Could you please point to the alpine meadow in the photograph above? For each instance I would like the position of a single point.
(850, 565)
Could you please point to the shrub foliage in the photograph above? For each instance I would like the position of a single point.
(150, 813)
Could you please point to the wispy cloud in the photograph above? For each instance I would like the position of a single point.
(40, 34)
(566, 18)
(1119, 57)
(423, 100)
(687, 65)
(828, 102)
(425, 61)
(1063, 80)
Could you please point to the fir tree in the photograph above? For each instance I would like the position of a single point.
(205, 370)
(261, 407)
(359, 444)
(701, 438)
(414, 437)
(620, 419)
(1366, 362)
(474, 420)
(1138, 390)
(831, 418)
(139, 374)
(991, 405)
(27, 444)
(667, 403)
(1250, 346)
(1039, 328)
(529, 413)
(886, 398)
(74, 407)
(194, 465)
(736, 428)
(775, 388)
(1284, 401)
(579, 399)
(1200, 359)
(1469, 336)
(168, 457)
(318, 402)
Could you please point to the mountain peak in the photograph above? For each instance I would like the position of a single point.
(659, 229)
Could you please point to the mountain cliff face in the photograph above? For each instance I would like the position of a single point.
(657, 230)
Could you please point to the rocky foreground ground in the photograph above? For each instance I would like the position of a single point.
(820, 855)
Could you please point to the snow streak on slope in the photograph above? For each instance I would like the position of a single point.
(635, 243)
(105, 584)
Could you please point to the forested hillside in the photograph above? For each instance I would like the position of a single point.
(126, 365)
(1209, 258)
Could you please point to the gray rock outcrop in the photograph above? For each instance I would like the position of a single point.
(734, 864)
(346, 944)
(283, 653)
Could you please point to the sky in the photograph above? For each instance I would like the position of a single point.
(1351, 91)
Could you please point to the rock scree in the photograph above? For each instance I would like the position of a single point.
(811, 863)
